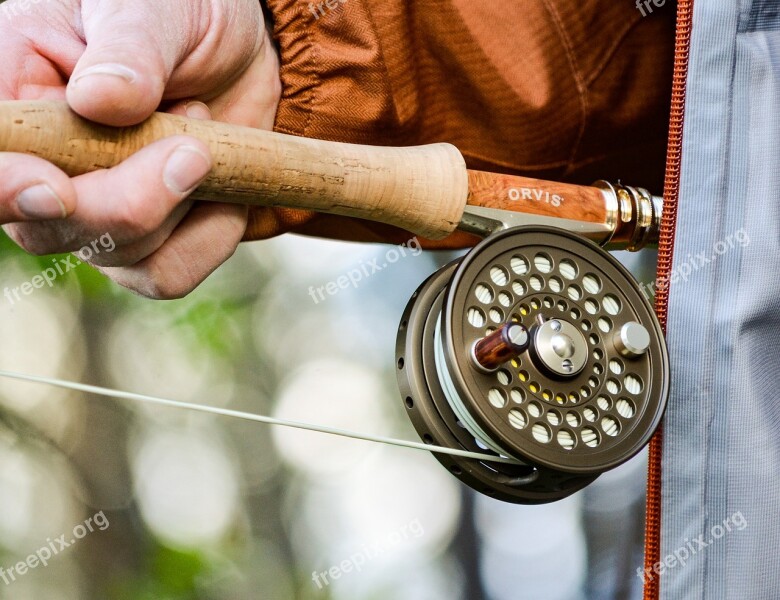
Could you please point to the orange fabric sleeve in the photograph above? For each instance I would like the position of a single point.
(570, 91)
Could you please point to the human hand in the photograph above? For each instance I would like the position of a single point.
(116, 62)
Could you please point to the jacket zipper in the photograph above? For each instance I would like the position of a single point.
(665, 255)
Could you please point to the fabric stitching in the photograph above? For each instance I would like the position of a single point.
(581, 88)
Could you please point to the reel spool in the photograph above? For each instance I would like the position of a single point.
(537, 346)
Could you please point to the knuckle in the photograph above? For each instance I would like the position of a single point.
(170, 276)
(167, 288)
(149, 282)
(135, 216)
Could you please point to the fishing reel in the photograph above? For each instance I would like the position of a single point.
(537, 346)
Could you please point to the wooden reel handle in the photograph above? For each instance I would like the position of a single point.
(422, 189)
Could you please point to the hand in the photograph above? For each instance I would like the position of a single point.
(116, 62)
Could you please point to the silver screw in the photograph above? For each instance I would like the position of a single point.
(556, 326)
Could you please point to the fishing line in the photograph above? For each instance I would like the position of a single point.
(224, 412)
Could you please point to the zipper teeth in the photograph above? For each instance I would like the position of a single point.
(665, 255)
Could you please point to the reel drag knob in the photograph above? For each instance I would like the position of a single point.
(632, 341)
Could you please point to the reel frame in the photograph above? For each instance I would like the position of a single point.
(439, 379)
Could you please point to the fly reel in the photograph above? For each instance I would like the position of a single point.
(540, 347)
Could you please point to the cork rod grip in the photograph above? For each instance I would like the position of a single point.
(422, 189)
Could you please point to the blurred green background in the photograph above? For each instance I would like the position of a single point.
(209, 508)
(212, 508)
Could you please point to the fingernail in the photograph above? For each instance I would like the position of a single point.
(41, 202)
(197, 110)
(186, 168)
(110, 69)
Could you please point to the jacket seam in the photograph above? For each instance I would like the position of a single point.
(577, 75)
(310, 61)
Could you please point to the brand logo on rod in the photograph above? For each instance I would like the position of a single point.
(535, 195)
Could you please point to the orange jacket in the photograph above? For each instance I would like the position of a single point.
(570, 91)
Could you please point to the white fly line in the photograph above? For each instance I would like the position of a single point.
(111, 393)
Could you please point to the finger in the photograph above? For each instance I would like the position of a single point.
(32, 189)
(207, 237)
(253, 98)
(131, 53)
(194, 109)
(131, 201)
(134, 252)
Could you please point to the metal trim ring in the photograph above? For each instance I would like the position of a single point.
(436, 423)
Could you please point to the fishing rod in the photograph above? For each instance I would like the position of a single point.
(529, 366)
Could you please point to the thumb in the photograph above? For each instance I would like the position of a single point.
(32, 189)
(132, 49)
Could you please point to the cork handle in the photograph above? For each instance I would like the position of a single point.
(422, 189)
